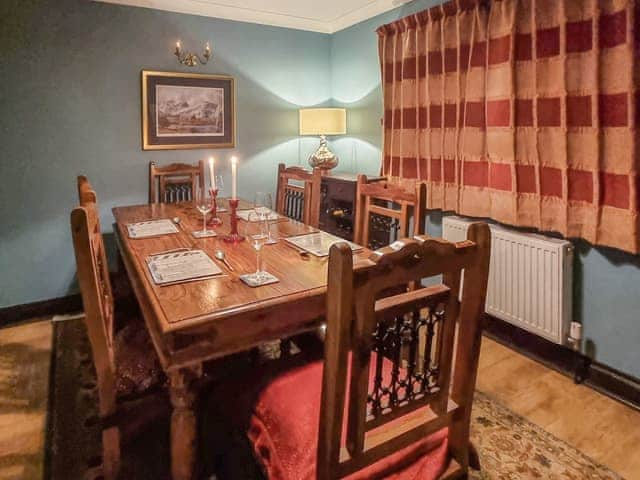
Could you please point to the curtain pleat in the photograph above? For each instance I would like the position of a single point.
(523, 111)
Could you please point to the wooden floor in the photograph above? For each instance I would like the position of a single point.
(604, 429)
(25, 354)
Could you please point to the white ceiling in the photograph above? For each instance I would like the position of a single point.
(326, 16)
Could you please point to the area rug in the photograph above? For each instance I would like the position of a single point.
(510, 447)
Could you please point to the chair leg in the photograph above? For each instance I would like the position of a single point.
(455, 474)
(111, 453)
(474, 457)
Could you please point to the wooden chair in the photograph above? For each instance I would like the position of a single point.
(86, 194)
(123, 296)
(300, 202)
(174, 183)
(373, 198)
(125, 362)
(360, 412)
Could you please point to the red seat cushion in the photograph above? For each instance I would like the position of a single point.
(283, 430)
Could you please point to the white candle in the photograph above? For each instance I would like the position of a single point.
(234, 177)
(212, 176)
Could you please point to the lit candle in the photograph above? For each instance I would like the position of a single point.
(234, 177)
(212, 177)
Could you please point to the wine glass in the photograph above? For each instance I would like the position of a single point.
(215, 199)
(256, 234)
(263, 204)
(204, 206)
(219, 184)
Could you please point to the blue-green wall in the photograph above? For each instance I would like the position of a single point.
(70, 104)
(355, 85)
(607, 282)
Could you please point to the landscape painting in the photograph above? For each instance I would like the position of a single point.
(189, 111)
(181, 110)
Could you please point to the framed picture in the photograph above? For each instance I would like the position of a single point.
(184, 110)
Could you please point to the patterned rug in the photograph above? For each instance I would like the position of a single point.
(510, 447)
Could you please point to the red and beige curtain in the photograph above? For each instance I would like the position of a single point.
(524, 111)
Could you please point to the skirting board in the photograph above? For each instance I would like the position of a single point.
(618, 385)
(20, 313)
(602, 378)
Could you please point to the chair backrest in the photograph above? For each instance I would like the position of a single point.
(97, 296)
(86, 194)
(377, 198)
(300, 202)
(175, 182)
(365, 338)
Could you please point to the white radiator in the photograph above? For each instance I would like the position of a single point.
(530, 278)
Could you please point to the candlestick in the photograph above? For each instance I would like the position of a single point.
(233, 236)
(234, 178)
(212, 176)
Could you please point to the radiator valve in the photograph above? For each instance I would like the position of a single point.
(575, 335)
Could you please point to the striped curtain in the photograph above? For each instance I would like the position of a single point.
(523, 111)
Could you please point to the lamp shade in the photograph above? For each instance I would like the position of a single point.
(323, 121)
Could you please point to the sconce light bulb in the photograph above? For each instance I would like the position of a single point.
(192, 59)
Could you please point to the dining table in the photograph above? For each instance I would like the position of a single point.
(194, 322)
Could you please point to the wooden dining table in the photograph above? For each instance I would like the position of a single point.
(194, 322)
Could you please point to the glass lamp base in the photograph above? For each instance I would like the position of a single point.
(323, 157)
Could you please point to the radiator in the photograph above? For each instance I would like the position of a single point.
(530, 279)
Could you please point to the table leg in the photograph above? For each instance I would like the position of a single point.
(183, 424)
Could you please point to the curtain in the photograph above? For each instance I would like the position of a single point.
(523, 111)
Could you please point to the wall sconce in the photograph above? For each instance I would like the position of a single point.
(192, 59)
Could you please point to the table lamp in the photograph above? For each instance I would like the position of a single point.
(323, 122)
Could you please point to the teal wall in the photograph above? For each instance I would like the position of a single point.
(355, 85)
(606, 281)
(70, 104)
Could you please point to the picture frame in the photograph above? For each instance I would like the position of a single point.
(187, 111)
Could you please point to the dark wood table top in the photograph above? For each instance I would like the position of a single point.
(187, 305)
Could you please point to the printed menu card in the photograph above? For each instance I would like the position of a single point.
(244, 215)
(181, 267)
(151, 228)
(318, 243)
